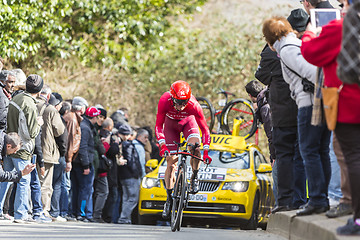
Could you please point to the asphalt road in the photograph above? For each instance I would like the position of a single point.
(81, 230)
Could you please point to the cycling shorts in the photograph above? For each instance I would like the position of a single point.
(172, 129)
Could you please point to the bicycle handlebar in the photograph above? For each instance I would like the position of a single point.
(191, 155)
(193, 146)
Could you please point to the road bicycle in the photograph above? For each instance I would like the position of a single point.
(237, 117)
(180, 195)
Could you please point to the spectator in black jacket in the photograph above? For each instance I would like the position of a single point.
(288, 169)
(257, 94)
(82, 173)
(112, 206)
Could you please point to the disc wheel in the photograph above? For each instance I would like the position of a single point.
(208, 110)
(235, 111)
(178, 200)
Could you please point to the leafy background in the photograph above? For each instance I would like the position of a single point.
(126, 53)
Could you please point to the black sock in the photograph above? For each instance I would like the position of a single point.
(168, 192)
(194, 175)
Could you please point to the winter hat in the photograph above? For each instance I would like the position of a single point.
(53, 100)
(298, 19)
(124, 129)
(103, 112)
(79, 101)
(92, 112)
(34, 83)
(58, 96)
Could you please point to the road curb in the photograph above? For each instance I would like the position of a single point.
(316, 227)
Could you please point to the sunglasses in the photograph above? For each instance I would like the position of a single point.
(301, 1)
(180, 102)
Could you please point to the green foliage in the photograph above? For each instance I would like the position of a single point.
(226, 59)
(94, 30)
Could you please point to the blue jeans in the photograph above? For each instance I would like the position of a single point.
(130, 198)
(65, 198)
(314, 144)
(117, 205)
(82, 189)
(275, 182)
(109, 207)
(36, 193)
(334, 185)
(21, 206)
(58, 175)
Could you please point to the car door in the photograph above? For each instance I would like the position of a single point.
(265, 182)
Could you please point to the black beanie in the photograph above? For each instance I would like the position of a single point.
(103, 112)
(298, 19)
(34, 83)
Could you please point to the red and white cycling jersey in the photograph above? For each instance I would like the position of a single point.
(166, 109)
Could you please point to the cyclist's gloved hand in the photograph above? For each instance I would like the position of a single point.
(164, 150)
(206, 157)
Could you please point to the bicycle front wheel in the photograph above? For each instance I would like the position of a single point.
(178, 199)
(239, 116)
(208, 110)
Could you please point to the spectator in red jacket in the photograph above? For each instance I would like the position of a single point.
(322, 51)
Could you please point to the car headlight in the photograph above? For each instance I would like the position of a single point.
(236, 186)
(150, 182)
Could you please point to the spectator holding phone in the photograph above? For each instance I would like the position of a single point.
(322, 51)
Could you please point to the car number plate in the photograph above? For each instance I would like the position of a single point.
(198, 197)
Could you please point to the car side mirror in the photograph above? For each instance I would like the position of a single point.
(152, 163)
(264, 168)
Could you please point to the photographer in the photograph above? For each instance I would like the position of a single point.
(10, 143)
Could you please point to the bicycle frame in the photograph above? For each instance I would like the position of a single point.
(180, 194)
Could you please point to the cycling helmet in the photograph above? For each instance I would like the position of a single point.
(180, 92)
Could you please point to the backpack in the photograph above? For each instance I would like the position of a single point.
(133, 161)
(23, 130)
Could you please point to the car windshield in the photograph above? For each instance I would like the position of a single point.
(228, 160)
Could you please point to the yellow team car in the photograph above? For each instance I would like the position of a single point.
(235, 189)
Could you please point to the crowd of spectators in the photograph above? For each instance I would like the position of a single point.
(66, 160)
(81, 165)
(299, 63)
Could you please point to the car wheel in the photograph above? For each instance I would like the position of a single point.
(252, 223)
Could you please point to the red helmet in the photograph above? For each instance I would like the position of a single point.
(180, 92)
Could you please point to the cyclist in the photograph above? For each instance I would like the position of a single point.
(179, 111)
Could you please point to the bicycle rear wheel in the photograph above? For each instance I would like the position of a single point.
(178, 199)
(209, 111)
(239, 112)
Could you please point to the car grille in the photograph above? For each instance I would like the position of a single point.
(208, 186)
